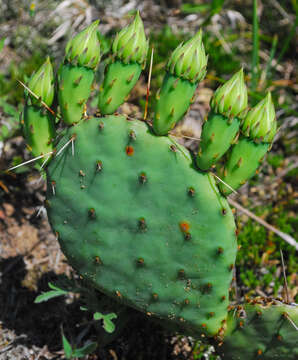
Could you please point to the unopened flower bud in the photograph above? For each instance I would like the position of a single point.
(260, 121)
(230, 99)
(41, 83)
(189, 60)
(130, 44)
(84, 48)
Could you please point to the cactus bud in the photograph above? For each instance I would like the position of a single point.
(230, 99)
(260, 122)
(84, 47)
(130, 44)
(41, 83)
(189, 60)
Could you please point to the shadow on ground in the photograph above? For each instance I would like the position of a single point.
(40, 324)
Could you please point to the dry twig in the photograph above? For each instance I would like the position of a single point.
(289, 239)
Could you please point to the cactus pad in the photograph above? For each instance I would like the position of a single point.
(139, 222)
(39, 130)
(129, 49)
(263, 329)
(212, 147)
(244, 159)
(119, 80)
(172, 103)
(74, 90)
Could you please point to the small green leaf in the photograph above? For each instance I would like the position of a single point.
(7, 108)
(190, 9)
(55, 287)
(108, 324)
(85, 350)
(67, 347)
(50, 294)
(2, 41)
(98, 316)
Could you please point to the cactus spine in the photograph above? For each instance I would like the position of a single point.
(186, 67)
(76, 75)
(259, 128)
(227, 108)
(129, 50)
(38, 124)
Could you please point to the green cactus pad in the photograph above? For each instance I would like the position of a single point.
(39, 130)
(216, 138)
(243, 160)
(172, 102)
(119, 80)
(74, 89)
(133, 216)
(261, 331)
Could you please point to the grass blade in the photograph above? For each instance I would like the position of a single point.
(85, 350)
(47, 296)
(191, 9)
(2, 43)
(66, 347)
(216, 6)
(255, 49)
(288, 40)
(271, 56)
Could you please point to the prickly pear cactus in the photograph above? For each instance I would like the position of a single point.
(133, 213)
